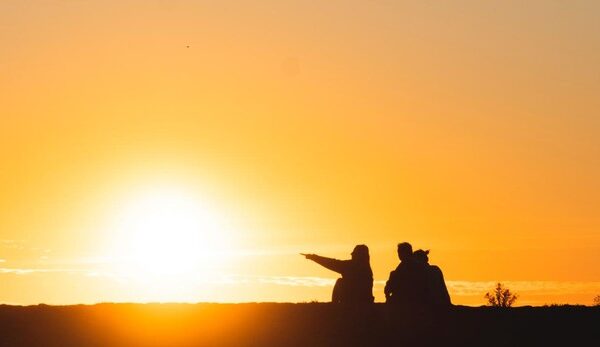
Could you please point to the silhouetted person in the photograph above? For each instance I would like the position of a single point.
(406, 293)
(406, 288)
(433, 316)
(438, 297)
(356, 283)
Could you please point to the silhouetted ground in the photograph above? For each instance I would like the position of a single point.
(310, 324)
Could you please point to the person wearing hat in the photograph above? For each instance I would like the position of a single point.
(437, 292)
(356, 284)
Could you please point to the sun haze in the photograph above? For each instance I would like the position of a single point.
(189, 151)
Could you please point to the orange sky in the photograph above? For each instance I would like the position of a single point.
(468, 128)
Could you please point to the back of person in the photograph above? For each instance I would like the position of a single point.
(355, 285)
(408, 285)
(410, 292)
(437, 293)
(440, 298)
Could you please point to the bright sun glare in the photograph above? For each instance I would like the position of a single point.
(169, 234)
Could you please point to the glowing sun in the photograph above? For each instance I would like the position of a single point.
(168, 233)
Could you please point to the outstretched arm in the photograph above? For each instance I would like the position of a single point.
(329, 263)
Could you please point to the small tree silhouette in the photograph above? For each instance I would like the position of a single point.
(597, 300)
(500, 296)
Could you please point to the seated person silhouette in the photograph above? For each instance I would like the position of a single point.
(438, 297)
(416, 299)
(406, 288)
(356, 284)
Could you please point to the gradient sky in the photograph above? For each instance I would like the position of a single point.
(470, 128)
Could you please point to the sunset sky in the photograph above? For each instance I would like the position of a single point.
(190, 150)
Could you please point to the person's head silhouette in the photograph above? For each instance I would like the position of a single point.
(404, 251)
(421, 256)
(361, 253)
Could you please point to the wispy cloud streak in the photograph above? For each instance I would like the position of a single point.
(297, 281)
(28, 271)
(466, 288)
(456, 288)
(461, 288)
(294, 281)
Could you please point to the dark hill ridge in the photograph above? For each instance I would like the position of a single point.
(272, 324)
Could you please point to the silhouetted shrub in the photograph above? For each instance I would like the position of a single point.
(597, 300)
(500, 296)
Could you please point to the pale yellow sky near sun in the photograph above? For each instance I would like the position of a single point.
(470, 128)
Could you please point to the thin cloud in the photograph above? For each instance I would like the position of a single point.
(29, 271)
(297, 281)
(458, 288)
(467, 288)
(12, 244)
(22, 246)
(294, 281)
